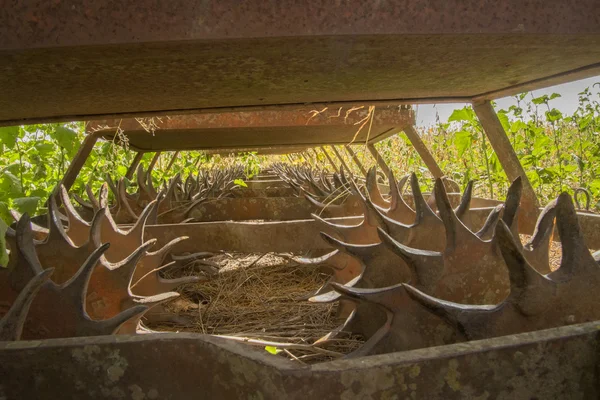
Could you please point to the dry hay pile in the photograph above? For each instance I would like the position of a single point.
(262, 299)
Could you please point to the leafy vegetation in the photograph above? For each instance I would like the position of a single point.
(559, 152)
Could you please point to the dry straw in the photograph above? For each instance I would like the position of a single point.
(262, 300)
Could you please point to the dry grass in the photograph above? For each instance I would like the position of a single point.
(263, 297)
(261, 300)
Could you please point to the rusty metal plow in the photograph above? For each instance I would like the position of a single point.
(412, 314)
(128, 273)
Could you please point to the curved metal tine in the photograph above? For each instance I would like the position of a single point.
(577, 263)
(79, 229)
(11, 324)
(92, 198)
(373, 190)
(398, 210)
(537, 249)
(39, 232)
(392, 320)
(379, 266)
(111, 184)
(480, 282)
(148, 282)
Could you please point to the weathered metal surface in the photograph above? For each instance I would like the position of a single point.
(252, 237)
(508, 158)
(534, 302)
(269, 192)
(355, 159)
(268, 208)
(216, 55)
(554, 363)
(380, 161)
(302, 127)
(266, 184)
(258, 150)
(423, 151)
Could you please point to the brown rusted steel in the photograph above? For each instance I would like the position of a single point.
(270, 208)
(419, 146)
(557, 363)
(380, 161)
(58, 310)
(172, 161)
(79, 160)
(331, 162)
(134, 164)
(287, 41)
(280, 150)
(535, 301)
(12, 322)
(339, 156)
(355, 159)
(508, 159)
(153, 162)
(252, 131)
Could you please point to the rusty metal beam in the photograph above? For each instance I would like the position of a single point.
(335, 168)
(555, 363)
(272, 208)
(211, 42)
(508, 159)
(172, 161)
(79, 160)
(378, 158)
(339, 156)
(419, 145)
(134, 165)
(355, 159)
(317, 159)
(262, 131)
(153, 162)
(306, 157)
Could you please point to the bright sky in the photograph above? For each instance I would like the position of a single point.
(567, 104)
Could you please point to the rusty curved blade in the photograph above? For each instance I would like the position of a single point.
(78, 228)
(11, 324)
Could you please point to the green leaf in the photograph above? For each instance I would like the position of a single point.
(504, 121)
(540, 100)
(9, 135)
(121, 170)
(10, 185)
(272, 349)
(541, 145)
(66, 138)
(44, 147)
(5, 214)
(27, 205)
(463, 114)
(553, 115)
(240, 182)
(463, 141)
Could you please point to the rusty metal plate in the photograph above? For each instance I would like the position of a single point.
(554, 363)
(149, 57)
(254, 130)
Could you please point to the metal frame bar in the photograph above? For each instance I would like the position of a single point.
(335, 168)
(134, 165)
(79, 160)
(355, 159)
(508, 158)
(378, 158)
(172, 161)
(339, 156)
(419, 146)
